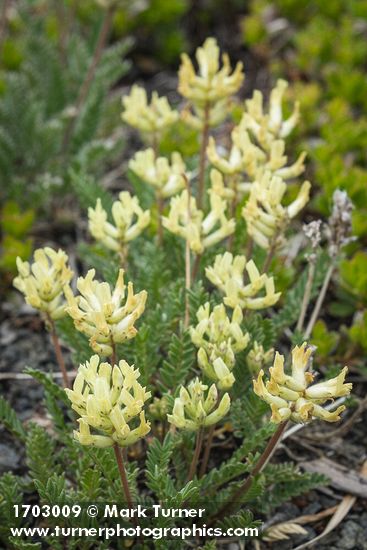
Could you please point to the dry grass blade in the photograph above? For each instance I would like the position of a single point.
(341, 511)
(282, 531)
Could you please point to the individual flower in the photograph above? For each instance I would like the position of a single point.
(266, 218)
(129, 221)
(167, 178)
(186, 220)
(218, 339)
(257, 358)
(197, 407)
(150, 118)
(227, 274)
(211, 83)
(292, 397)
(110, 401)
(101, 314)
(42, 282)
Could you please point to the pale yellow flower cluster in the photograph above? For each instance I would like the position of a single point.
(208, 89)
(149, 118)
(101, 314)
(292, 397)
(228, 273)
(167, 178)
(247, 158)
(265, 216)
(186, 220)
(129, 221)
(42, 282)
(197, 407)
(109, 399)
(218, 339)
(266, 127)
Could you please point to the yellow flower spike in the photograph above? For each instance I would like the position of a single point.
(103, 406)
(211, 83)
(265, 216)
(42, 281)
(101, 315)
(129, 221)
(187, 221)
(269, 126)
(196, 407)
(168, 178)
(227, 274)
(291, 396)
(148, 118)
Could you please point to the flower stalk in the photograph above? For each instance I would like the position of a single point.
(195, 458)
(202, 160)
(58, 352)
(123, 476)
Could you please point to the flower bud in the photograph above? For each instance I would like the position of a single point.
(193, 409)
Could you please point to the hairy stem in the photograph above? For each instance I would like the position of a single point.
(202, 159)
(195, 458)
(88, 80)
(196, 267)
(208, 448)
(58, 352)
(113, 354)
(249, 247)
(160, 205)
(123, 476)
(258, 468)
(307, 295)
(270, 255)
(187, 260)
(320, 301)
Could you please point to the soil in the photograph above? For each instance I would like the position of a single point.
(23, 342)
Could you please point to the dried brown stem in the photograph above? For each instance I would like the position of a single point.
(307, 295)
(85, 87)
(320, 300)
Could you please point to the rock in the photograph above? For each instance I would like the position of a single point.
(9, 459)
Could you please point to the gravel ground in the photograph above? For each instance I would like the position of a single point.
(23, 342)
